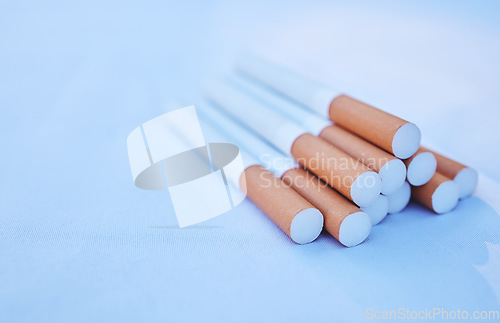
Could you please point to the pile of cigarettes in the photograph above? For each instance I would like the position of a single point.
(315, 157)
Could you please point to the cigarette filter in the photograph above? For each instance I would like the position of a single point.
(440, 194)
(378, 210)
(399, 137)
(464, 176)
(290, 211)
(348, 176)
(395, 135)
(421, 167)
(391, 170)
(399, 200)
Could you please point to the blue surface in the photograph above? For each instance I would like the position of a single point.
(79, 243)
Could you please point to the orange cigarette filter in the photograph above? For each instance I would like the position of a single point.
(342, 219)
(356, 147)
(298, 218)
(370, 155)
(347, 175)
(379, 127)
(440, 194)
(420, 167)
(464, 176)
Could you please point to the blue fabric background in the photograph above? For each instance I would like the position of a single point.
(80, 243)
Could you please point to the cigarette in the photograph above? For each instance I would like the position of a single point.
(399, 200)
(293, 214)
(421, 167)
(464, 176)
(440, 194)
(395, 135)
(378, 210)
(342, 219)
(391, 170)
(348, 176)
(283, 205)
